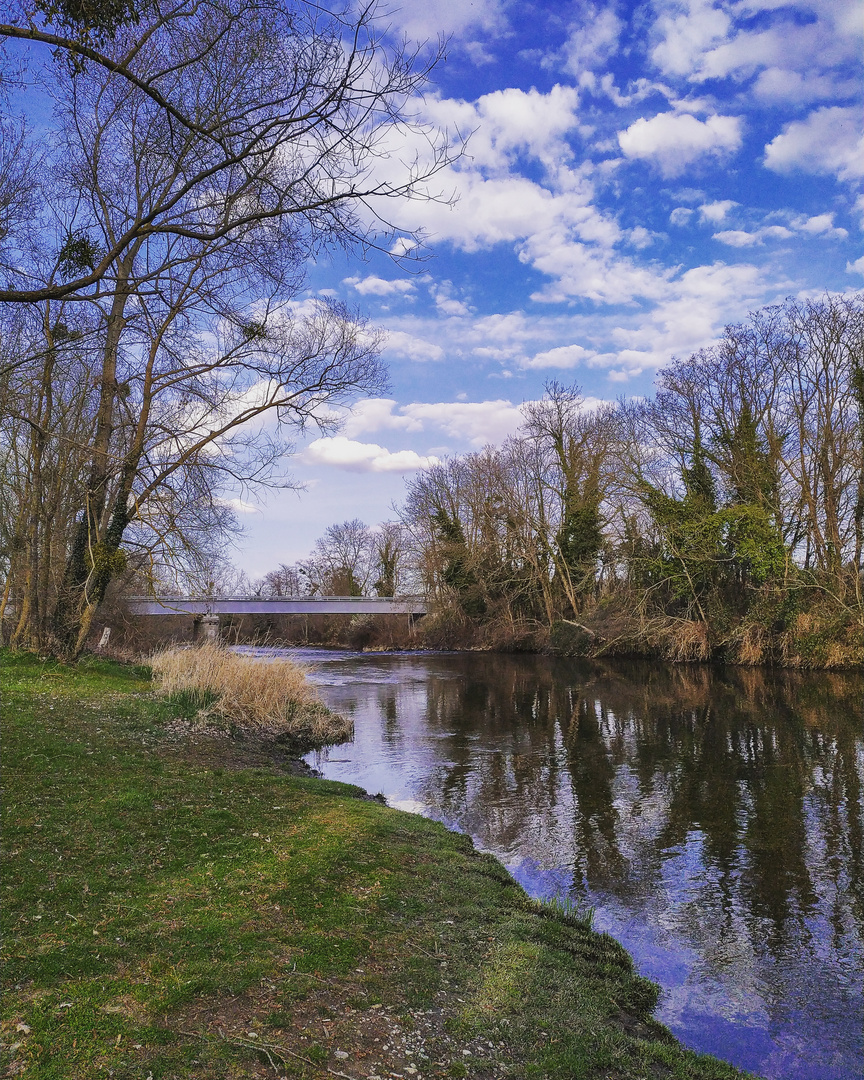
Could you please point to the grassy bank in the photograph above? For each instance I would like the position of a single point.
(191, 909)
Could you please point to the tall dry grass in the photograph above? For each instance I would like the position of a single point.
(263, 697)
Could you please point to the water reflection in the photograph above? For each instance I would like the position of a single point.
(713, 817)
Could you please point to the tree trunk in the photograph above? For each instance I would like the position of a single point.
(75, 601)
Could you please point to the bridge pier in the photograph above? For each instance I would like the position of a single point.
(205, 629)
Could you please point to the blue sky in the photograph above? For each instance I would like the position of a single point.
(637, 176)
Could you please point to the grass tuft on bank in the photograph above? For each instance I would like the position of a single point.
(246, 695)
(175, 909)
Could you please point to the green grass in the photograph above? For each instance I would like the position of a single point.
(171, 912)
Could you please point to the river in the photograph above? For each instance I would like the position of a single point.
(712, 818)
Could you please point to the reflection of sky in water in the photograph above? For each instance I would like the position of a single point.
(712, 830)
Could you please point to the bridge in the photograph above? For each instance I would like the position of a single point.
(278, 605)
(206, 611)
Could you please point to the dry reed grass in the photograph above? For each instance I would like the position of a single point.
(751, 645)
(263, 697)
(682, 640)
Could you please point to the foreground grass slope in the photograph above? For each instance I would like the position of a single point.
(177, 909)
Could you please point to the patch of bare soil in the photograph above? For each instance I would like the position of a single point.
(332, 1033)
(220, 750)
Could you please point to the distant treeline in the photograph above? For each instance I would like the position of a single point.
(721, 519)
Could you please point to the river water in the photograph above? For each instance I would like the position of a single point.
(712, 817)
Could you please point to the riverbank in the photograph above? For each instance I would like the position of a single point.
(810, 633)
(180, 908)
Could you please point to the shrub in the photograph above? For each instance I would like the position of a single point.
(571, 639)
(252, 696)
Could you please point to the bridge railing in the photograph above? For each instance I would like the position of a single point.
(278, 605)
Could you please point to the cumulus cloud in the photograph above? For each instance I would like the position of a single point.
(496, 210)
(741, 238)
(585, 270)
(716, 211)
(686, 31)
(592, 40)
(344, 453)
(446, 303)
(777, 85)
(672, 141)
(795, 59)
(501, 196)
(376, 286)
(474, 423)
(423, 21)
(828, 141)
(414, 348)
(376, 414)
(821, 225)
(509, 122)
(564, 356)
(688, 316)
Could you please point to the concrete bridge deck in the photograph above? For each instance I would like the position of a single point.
(279, 605)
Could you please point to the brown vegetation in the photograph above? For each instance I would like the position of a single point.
(269, 697)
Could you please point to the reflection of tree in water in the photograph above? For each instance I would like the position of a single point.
(596, 858)
(499, 767)
(390, 713)
(614, 770)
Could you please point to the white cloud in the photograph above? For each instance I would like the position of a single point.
(413, 348)
(512, 130)
(821, 225)
(509, 122)
(447, 305)
(422, 21)
(777, 85)
(687, 30)
(640, 238)
(343, 453)
(564, 356)
(376, 286)
(828, 141)
(690, 315)
(856, 267)
(584, 270)
(512, 327)
(474, 423)
(795, 59)
(239, 506)
(716, 211)
(740, 238)
(655, 313)
(680, 215)
(404, 246)
(675, 140)
(492, 211)
(376, 414)
(592, 40)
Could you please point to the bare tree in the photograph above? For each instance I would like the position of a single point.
(342, 561)
(186, 245)
(389, 548)
(578, 445)
(286, 100)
